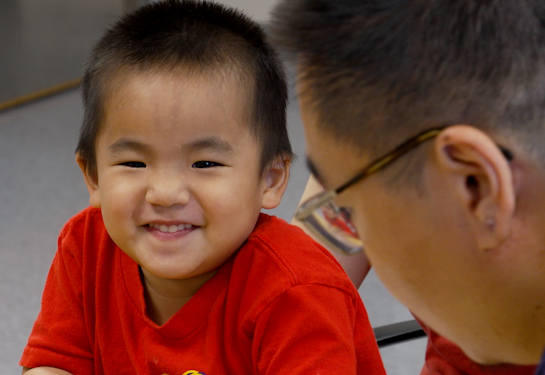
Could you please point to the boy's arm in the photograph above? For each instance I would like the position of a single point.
(356, 266)
(59, 338)
(44, 371)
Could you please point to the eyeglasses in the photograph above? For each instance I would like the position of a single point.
(332, 224)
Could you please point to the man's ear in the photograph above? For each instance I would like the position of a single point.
(90, 182)
(275, 180)
(482, 179)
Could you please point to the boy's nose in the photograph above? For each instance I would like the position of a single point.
(167, 191)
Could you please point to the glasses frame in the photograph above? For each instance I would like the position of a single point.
(305, 211)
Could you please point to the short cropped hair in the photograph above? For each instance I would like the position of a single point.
(379, 71)
(189, 36)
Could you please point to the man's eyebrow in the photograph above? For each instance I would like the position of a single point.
(314, 171)
(125, 144)
(212, 143)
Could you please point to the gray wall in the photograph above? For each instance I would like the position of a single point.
(257, 9)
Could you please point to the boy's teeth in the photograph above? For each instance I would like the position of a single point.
(170, 228)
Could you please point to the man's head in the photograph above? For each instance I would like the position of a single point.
(377, 72)
(453, 227)
(184, 139)
(194, 37)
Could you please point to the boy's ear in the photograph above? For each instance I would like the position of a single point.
(90, 182)
(275, 180)
(481, 179)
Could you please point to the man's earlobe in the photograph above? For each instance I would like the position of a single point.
(275, 181)
(90, 182)
(481, 177)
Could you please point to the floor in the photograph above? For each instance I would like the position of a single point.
(41, 185)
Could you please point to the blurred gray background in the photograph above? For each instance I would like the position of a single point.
(44, 43)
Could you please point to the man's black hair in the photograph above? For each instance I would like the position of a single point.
(194, 37)
(379, 71)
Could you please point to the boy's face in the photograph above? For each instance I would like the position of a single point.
(179, 180)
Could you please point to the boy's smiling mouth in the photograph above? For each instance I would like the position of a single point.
(163, 228)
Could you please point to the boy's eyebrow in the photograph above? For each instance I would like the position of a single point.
(213, 143)
(125, 144)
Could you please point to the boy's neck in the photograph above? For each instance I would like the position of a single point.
(165, 297)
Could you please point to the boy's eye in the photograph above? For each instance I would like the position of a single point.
(133, 164)
(205, 164)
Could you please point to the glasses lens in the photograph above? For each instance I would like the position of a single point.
(332, 225)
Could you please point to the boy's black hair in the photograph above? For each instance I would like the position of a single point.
(193, 37)
(379, 71)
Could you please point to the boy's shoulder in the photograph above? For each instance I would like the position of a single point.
(283, 237)
(89, 217)
(285, 248)
(84, 228)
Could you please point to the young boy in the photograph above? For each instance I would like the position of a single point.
(173, 270)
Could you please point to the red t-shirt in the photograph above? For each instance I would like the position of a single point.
(443, 357)
(281, 305)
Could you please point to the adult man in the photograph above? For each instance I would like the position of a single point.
(441, 104)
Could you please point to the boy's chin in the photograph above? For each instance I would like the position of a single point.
(171, 273)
